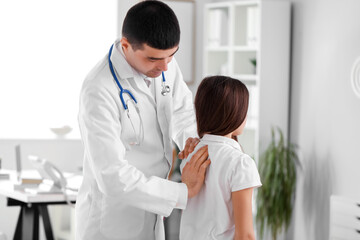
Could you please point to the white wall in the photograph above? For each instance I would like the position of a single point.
(325, 113)
(47, 48)
(45, 55)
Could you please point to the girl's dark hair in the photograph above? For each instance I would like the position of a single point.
(221, 105)
(153, 23)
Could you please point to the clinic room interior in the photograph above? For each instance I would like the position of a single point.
(300, 60)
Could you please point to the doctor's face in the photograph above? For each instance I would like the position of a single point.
(147, 60)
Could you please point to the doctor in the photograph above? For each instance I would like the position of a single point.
(133, 104)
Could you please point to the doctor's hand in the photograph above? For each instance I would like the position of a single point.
(193, 174)
(190, 145)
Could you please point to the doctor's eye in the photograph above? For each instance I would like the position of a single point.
(152, 60)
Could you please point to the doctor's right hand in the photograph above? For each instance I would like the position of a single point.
(193, 173)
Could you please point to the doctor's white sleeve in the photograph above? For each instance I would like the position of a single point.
(100, 129)
(183, 119)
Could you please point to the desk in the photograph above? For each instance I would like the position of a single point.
(32, 207)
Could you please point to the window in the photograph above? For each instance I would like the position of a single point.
(47, 49)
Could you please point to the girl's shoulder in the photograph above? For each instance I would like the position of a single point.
(230, 152)
(243, 172)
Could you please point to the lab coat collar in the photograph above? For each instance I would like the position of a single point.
(125, 71)
(123, 68)
(220, 139)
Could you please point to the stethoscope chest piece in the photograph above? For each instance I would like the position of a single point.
(165, 89)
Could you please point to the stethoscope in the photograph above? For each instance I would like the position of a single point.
(164, 91)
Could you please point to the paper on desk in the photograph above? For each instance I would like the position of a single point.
(74, 182)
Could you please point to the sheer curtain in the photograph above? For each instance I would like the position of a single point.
(47, 47)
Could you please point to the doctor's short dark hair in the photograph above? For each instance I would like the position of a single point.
(221, 105)
(151, 22)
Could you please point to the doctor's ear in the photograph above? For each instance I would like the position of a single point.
(125, 43)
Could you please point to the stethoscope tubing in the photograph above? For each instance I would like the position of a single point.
(122, 90)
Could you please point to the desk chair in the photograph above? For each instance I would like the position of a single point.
(344, 218)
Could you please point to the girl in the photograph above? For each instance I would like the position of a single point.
(223, 207)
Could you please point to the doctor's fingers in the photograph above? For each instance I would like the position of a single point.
(199, 157)
(181, 155)
(190, 145)
(193, 143)
(204, 166)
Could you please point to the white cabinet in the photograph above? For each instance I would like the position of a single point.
(236, 34)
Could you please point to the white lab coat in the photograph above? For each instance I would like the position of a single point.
(123, 183)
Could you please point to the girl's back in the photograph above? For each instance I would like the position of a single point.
(209, 215)
(223, 207)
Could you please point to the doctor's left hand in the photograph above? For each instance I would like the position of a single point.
(193, 173)
(190, 145)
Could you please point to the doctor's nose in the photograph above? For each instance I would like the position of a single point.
(163, 65)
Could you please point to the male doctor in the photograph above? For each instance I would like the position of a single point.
(128, 151)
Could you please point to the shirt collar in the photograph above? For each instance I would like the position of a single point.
(220, 139)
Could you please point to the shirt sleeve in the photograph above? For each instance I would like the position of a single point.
(183, 197)
(244, 174)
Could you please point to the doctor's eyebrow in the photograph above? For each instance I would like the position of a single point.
(153, 58)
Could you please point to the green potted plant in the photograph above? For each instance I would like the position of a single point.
(275, 198)
(253, 63)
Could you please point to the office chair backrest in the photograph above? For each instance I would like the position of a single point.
(344, 218)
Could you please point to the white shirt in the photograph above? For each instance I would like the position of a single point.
(209, 215)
